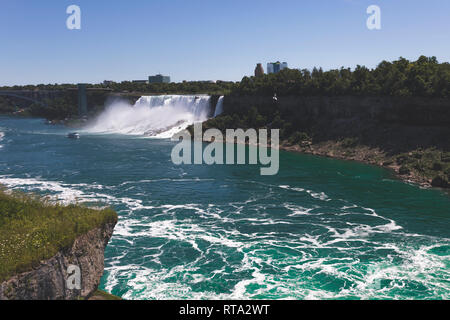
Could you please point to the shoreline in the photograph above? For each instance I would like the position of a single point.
(333, 150)
(330, 149)
(385, 163)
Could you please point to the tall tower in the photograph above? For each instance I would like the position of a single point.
(259, 71)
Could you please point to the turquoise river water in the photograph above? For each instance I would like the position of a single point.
(320, 229)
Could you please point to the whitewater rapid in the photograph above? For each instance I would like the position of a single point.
(155, 116)
(300, 261)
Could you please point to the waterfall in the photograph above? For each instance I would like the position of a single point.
(219, 107)
(153, 116)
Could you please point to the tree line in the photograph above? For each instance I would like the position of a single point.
(425, 77)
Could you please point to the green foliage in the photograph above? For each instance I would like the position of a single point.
(64, 100)
(102, 295)
(445, 157)
(425, 77)
(185, 87)
(56, 109)
(441, 181)
(32, 229)
(298, 137)
(428, 163)
(349, 142)
(404, 170)
(6, 107)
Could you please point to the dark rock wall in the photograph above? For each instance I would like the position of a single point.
(48, 280)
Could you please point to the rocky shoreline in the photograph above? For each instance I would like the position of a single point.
(363, 154)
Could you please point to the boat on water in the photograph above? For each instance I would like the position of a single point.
(73, 135)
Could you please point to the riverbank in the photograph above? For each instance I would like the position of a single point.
(408, 135)
(421, 167)
(338, 214)
(428, 167)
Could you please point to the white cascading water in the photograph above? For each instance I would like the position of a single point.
(153, 116)
(219, 107)
(2, 135)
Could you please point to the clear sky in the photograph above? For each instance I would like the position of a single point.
(209, 39)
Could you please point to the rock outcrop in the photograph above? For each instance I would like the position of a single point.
(48, 281)
(308, 109)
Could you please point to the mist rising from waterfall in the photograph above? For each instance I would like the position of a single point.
(153, 116)
(219, 107)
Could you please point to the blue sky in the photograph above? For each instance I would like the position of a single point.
(209, 39)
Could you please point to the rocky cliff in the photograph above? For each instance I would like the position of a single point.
(310, 109)
(48, 281)
(406, 134)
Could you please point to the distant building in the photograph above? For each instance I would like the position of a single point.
(275, 67)
(259, 71)
(108, 82)
(139, 81)
(159, 78)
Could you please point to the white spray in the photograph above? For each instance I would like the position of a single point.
(153, 116)
(219, 107)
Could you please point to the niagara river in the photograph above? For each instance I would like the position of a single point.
(320, 229)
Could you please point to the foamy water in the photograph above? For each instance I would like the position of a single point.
(205, 232)
(152, 116)
(2, 135)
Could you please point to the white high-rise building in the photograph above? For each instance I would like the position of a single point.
(275, 67)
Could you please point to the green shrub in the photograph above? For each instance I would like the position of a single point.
(401, 159)
(349, 142)
(299, 137)
(445, 157)
(32, 229)
(437, 166)
(404, 170)
(441, 181)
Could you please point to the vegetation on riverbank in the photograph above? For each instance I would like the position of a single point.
(409, 132)
(426, 167)
(385, 146)
(425, 77)
(125, 87)
(33, 229)
(102, 295)
(396, 115)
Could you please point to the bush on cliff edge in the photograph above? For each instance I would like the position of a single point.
(32, 229)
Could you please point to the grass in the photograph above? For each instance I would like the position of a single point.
(32, 229)
(102, 295)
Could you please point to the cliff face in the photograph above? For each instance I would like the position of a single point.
(48, 281)
(406, 134)
(392, 124)
(398, 110)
